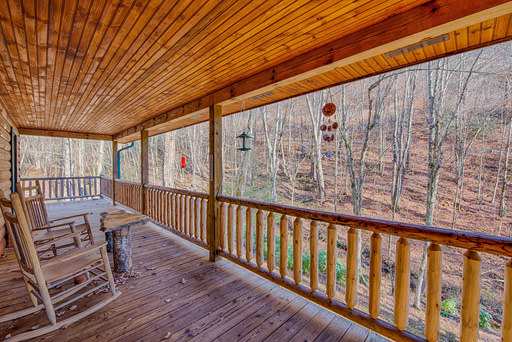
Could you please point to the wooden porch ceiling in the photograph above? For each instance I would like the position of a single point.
(111, 68)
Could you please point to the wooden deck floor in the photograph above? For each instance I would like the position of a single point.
(208, 302)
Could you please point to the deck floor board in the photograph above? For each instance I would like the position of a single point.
(208, 302)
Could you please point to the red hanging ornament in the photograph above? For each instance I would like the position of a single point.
(182, 162)
(329, 109)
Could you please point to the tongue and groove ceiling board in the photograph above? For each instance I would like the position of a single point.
(112, 67)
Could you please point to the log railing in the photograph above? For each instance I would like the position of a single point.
(106, 186)
(262, 222)
(66, 188)
(129, 194)
(181, 211)
(273, 240)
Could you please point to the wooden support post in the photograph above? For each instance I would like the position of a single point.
(433, 311)
(204, 205)
(191, 216)
(259, 238)
(271, 242)
(297, 250)
(402, 279)
(469, 317)
(144, 168)
(222, 231)
(351, 287)
(313, 248)
(215, 187)
(239, 227)
(375, 274)
(331, 261)
(249, 235)
(231, 227)
(506, 324)
(115, 171)
(283, 246)
(197, 217)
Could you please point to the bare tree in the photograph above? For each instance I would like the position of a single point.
(501, 211)
(440, 120)
(273, 134)
(292, 157)
(314, 102)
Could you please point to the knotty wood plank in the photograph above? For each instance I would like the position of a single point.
(335, 330)
(355, 333)
(313, 328)
(275, 321)
(179, 320)
(287, 330)
(235, 309)
(212, 295)
(249, 318)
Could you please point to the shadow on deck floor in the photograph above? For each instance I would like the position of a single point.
(180, 296)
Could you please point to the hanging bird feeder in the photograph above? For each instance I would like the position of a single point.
(244, 136)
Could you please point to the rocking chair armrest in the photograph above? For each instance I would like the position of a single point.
(50, 242)
(71, 225)
(84, 215)
(76, 253)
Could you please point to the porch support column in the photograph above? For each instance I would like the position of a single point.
(144, 169)
(115, 170)
(215, 180)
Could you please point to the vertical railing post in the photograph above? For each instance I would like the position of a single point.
(215, 187)
(469, 316)
(115, 170)
(144, 168)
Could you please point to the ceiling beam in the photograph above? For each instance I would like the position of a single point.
(63, 134)
(426, 21)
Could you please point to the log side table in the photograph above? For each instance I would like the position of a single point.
(116, 225)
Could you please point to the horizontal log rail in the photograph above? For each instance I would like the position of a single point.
(291, 232)
(66, 188)
(479, 242)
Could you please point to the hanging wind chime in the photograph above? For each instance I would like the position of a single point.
(329, 124)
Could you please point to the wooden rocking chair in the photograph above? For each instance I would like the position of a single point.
(32, 200)
(46, 238)
(40, 278)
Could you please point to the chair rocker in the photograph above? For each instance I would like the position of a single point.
(50, 284)
(45, 240)
(32, 200)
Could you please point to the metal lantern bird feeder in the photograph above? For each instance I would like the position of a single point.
(244, 136)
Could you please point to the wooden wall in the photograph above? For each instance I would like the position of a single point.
(5, 170)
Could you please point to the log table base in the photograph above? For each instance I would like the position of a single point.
(116, 224)
(110, 241)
